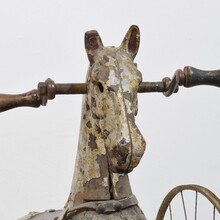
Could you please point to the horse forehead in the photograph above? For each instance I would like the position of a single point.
(113, 63)
(109, 56)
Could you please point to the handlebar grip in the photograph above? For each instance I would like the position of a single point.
(30, 99)
(196, 77)
(46, 91)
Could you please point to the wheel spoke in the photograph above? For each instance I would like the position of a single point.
(171, 216)
(196, 202)
(184, 207)
(213, 212)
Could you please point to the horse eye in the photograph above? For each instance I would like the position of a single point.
(101, 88)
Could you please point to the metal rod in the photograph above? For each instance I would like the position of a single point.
(81, 88)
(152, 87)
(71, 88)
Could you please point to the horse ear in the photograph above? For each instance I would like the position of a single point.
(93, 44)
(131, 41)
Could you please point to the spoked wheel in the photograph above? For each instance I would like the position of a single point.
(166, 208)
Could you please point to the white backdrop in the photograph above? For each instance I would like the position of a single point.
(45, 38)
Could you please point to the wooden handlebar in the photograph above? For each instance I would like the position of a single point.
(47, 90)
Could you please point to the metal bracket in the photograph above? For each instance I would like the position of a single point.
(101, 207)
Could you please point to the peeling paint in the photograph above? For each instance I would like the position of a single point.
(110, 144)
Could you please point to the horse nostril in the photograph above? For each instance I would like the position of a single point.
(101, 88)
(122, 142)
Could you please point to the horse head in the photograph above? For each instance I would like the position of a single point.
(113, 81)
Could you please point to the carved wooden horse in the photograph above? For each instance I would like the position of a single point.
(110, 144)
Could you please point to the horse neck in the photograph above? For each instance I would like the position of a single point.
(93, 179)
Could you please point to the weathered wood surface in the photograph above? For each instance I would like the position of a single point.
(47, 215)
(110, 143)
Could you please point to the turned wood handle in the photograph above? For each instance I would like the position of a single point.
(196, 77)
(30, 99)
(46, 91)
(189, 77)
